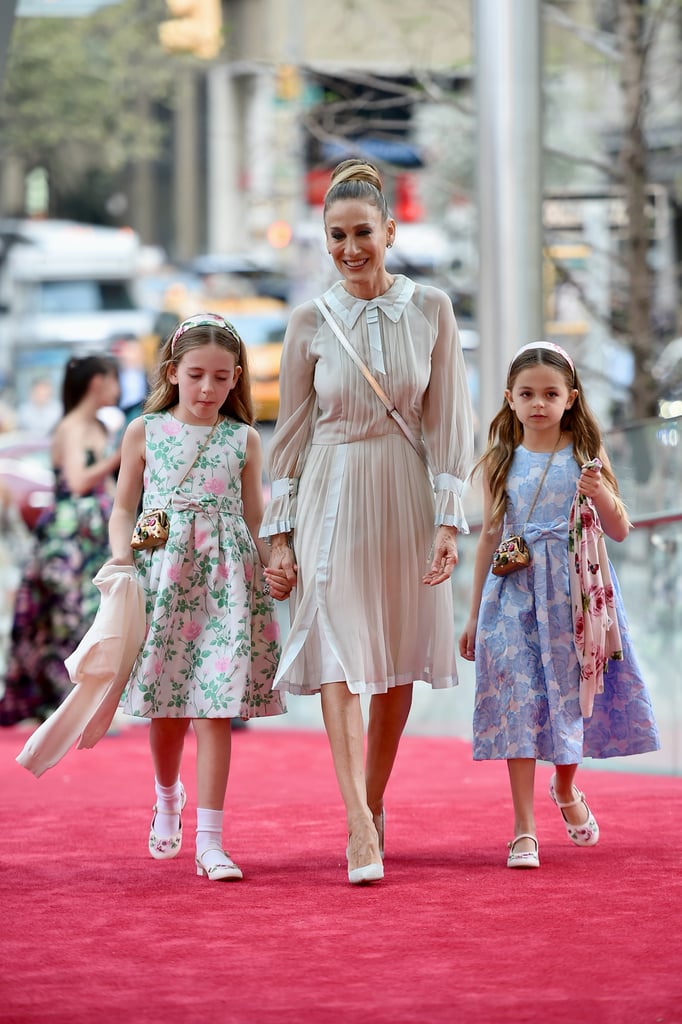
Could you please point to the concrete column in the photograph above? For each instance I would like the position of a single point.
(508, 89)
(186, 159)
(225, 229)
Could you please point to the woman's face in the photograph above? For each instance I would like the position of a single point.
(357, 238)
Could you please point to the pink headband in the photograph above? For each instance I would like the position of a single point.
(552, 348)
(203, 320)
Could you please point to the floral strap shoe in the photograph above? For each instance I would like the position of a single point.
(586, 834)
(165, 847)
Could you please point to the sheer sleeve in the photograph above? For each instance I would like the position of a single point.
(295, 422)
(447, 418)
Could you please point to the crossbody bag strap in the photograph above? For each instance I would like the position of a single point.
(542, 480)
(373, 383)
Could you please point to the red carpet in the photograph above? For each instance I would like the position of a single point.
(91, 928)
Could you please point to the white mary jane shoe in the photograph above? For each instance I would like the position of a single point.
(165, 847)
(528, 859)
(586, 834)
(217, 865)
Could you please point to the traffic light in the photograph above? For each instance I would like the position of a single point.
(196, 27)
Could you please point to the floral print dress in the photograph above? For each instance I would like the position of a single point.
(212, 642)
(57, 601)
(527, 671)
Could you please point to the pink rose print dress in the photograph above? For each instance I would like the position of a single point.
(212, 642)
(527, 670)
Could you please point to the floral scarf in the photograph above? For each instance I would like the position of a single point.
(595, 625)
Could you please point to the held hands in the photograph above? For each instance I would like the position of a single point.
(444, 556)
(281, 571)
(590, 481)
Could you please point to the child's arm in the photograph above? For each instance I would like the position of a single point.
(128, 493)
(487, 543)
(610, 509)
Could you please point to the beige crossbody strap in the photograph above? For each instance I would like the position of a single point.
(373, 383)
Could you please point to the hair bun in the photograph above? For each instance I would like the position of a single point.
(356, 170)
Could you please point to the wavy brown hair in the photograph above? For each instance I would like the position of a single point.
(506, 433)
(164, 394)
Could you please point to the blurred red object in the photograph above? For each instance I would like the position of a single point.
(26, 473)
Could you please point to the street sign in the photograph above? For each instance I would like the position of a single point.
(60, 8)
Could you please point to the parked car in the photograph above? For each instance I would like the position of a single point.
(26, 471)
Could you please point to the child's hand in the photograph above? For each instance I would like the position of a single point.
(279, 583)
(467, 641)
(590, 482)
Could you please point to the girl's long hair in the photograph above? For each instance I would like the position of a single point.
(164, 395)
(506, 432)
(78, 375)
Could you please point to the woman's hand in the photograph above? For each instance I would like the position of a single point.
(467, 641)
(444, 556)
(281, 571)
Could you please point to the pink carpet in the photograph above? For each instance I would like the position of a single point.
(92, 929)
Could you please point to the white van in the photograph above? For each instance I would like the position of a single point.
(65, 288)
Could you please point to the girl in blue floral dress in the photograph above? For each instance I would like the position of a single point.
(521, 631)
(212, 642)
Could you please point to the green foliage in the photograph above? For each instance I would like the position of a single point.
(78, 91)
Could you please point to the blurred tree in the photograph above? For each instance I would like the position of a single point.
(628, 37)
(71, 100)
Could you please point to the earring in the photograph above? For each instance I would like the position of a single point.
(389, 244)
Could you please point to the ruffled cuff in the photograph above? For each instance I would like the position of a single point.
(449, 507)
(280, 513)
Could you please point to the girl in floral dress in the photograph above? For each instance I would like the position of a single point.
(543, 460)
(212, 643)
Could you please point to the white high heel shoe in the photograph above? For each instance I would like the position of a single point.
(372, 872)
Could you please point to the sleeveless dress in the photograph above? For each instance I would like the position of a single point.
(212, 644)
(57, 601)
(527, 671)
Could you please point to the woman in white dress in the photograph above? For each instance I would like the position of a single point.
(352, 514)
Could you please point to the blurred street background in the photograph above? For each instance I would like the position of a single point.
(153, 165)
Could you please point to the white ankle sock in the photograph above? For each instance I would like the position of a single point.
(209, 832)
(167, 819)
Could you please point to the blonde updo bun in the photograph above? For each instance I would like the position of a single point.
(357, 179)
(356, 170)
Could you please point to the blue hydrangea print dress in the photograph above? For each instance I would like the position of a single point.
(212, 643)
(527, 671)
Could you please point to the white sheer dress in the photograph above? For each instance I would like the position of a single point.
(355, 495)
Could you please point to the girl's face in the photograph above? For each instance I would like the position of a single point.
(539, 396)
(357, 239)
(205, 376)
